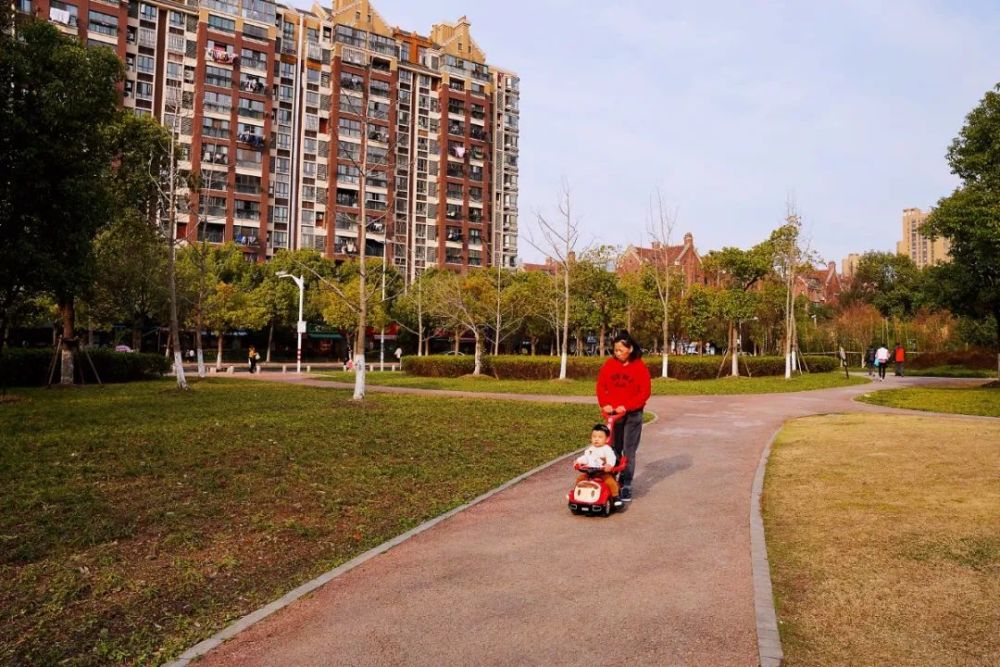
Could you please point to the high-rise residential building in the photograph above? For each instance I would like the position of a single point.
(306, 125)
(923, 251)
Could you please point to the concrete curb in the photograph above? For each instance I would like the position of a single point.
(768, 639)
(250, 619)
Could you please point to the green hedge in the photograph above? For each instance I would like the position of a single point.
(682, 367)
(28, 368)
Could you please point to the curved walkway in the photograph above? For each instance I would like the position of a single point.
(517, 580)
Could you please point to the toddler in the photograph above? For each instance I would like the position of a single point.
(599, 455)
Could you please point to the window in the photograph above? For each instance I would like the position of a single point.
(147, 12)
(349, 128)
(104, 23)
(259, 10)
(251, 108)
(177, 19)
(213, 127)
(248, 158)
(281, 189)
(348, 150)
(247, 210)
(350, 103)
(224, 6)
(347, 197)
(351, 36)
(378, 87)
(456, 84)
(147, 64)
(143, 90)
(379, 110)
(221, 24)
(377, 179)
(217, 76)
(352, 81)
(384, 45)
(348, 174)
(254, 59)
(247, 184)
(218, 102)
(64, 13)
(175, 43)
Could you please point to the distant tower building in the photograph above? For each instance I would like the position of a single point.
(918, 247)
(849, 265)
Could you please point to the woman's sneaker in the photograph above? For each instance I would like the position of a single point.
(626, 494)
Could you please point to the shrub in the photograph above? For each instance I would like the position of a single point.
(441, 366)
(976, 359)
(682, 367)
(27, 368)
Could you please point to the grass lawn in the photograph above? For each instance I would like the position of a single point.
(661, 387)
(883, 534)
(136, 520)
(951, 372)
(983, 401)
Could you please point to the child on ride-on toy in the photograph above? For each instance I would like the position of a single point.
(599, 455)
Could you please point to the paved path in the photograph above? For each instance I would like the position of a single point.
(510, 581)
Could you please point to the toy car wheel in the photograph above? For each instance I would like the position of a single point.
(606, 508)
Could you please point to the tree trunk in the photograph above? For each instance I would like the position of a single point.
(479, 352)
(734, 349)
(458, 340)
(270, 341)
(534, 345)
(218, 350)
(198, 343)
(137, 334)
(600, 340)
(68, 315)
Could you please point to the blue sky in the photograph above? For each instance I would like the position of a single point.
(732, 108)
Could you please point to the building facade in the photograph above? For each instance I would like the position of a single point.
(923, 251)
(304, 126)
(684, 258)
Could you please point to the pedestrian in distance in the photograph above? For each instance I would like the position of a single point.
(881, 361)
(623, 387)
(252, 358)
(899, 356)
(869, 360)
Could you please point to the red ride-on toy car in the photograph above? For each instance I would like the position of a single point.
(592, 495)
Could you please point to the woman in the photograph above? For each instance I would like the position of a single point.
(252, 358)
(623, 389)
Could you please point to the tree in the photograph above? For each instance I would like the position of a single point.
(130, 276)
(890, 282)
(463, 303)
(737, 271)
(341, 305)
(542, 303)
(661, 227)
(201, 269)
(559, 240)
(597, 299)
(280, 298)
(59, 101)
(970, 219)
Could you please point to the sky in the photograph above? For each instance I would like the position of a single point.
(732, 109)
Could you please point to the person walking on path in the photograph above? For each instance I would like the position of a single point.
(623, 387)
(882, 360)
(252, 358)
(870, 360)
(899, 356)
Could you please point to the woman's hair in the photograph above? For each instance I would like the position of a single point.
(626, 339)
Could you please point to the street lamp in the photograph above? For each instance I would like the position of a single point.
(301, 325)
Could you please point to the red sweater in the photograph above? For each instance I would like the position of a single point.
(618, 384)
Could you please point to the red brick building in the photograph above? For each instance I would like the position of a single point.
(683, 258)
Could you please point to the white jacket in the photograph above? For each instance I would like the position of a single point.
(597, 457)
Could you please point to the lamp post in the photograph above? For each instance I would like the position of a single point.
(301, 325)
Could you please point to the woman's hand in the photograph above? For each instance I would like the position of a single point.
(608, 409)
(607, 468)
(620, 409)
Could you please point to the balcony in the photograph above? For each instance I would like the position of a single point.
(255, 141)
(223, 56)
(253, 85)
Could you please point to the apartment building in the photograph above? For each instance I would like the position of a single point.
(923, 251)
(323, 129)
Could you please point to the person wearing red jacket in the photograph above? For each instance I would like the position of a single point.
(623, 388)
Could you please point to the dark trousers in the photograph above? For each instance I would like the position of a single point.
(899, 368)
(628, 430)
(881, 370)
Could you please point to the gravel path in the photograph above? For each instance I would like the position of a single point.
(517, 580)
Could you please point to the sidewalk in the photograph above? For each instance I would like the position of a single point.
(513, 580)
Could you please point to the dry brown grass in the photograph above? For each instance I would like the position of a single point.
(884, 539)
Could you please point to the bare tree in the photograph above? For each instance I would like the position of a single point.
(661, 228)
(559, 240)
